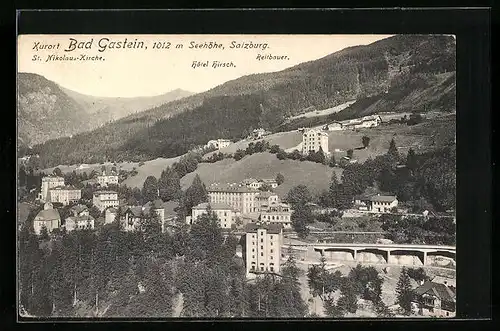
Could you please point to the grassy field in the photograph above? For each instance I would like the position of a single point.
(265, 165)
(324, 112)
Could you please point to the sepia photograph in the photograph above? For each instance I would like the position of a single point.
(232, 176)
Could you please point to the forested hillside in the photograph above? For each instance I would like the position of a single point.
(401, 73)
(45, 111)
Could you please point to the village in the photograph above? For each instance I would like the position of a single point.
(252, 211)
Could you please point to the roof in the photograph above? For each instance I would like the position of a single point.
(268, 180)
(48, 215)
(135, 210)
(383, 198)
(441, 291)
(444, 280)
(271, 228)
(105, 192)
(230, 188)
(80, 218)
(320, 131)
(214, 206)
(67, 187)
(52, 178)
(111, 210)
(265, 194)
(249, 180)
(79, 208)
(157, 204)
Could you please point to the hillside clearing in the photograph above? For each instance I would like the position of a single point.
(265, 165)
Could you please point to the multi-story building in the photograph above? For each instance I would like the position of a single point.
(107, 179)
(277, 213)
(64, 195)
(225, 213)
(48, 183)
(79, 223)
(263, 248)
(240, 197)
(313, 140)
(219, 143)
(264, 199)
(48, 218)
(105, 199)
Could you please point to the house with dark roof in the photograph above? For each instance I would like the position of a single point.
(131, 218)
(79, 210)
(435, 299)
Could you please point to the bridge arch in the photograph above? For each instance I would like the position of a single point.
(407, 257)
(440, 257)
(373, 255)
(334, 253)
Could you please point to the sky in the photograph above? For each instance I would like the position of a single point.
(155, 64)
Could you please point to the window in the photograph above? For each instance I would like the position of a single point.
(261, 253)
(272, 269)
(271, 243)
(253, 250)
(261, 240)
(253, 256)
(271, 250)
(261, 268)
(271, 257)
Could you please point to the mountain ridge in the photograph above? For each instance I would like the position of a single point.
(387, 75)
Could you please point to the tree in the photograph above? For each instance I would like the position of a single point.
(301, 216)
(169, 184)
(266, 188)
(150, 189)
(44, 233)
(411, 160)
(57, 172)
(280, 179)
(281, 155)
(274, 149)
(350, 153)
(239, 154)
(393, 151)
(332, 162)
(404, 291)
(299, 195)
(22, 177)
(366, 141)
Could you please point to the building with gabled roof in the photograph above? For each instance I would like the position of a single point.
(435, 299)
(79, 223)
(377, 203)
